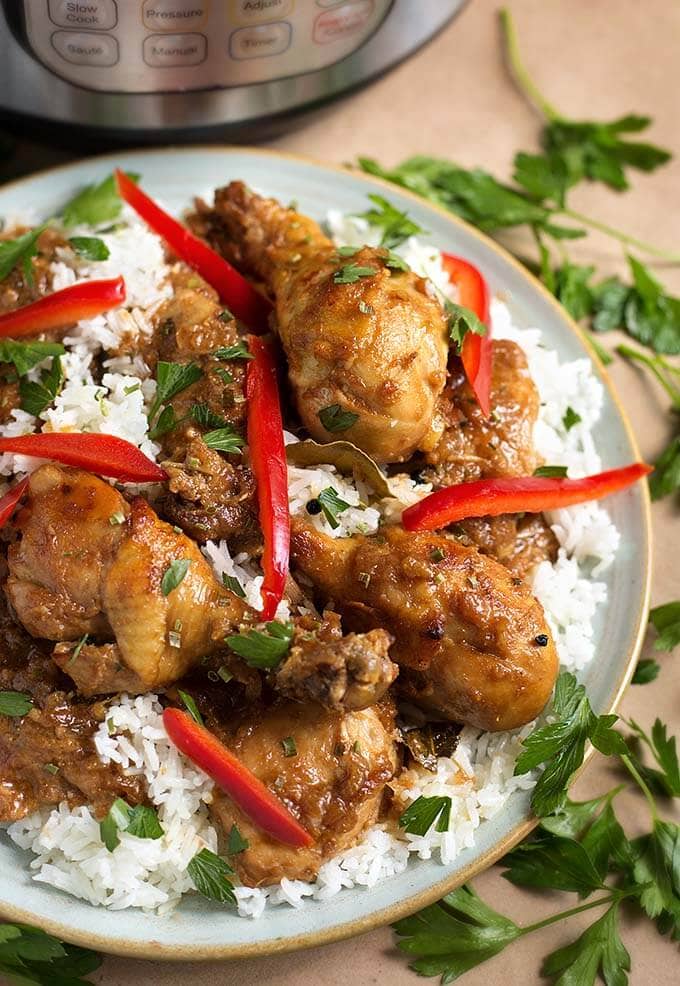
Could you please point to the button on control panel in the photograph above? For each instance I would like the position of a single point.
(173, 50)
(81, 48)
(174, 15)
(157, 46)
(260, 42)
(89, 15)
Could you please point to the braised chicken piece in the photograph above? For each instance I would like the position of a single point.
(210, 495)
(474, 447)
(329, 769)
(18, 288)
(89, 563)
(337, 672)
(471, 645)
(48, 756)
(372, 343)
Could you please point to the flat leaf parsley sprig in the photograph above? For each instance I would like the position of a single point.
(580, 847)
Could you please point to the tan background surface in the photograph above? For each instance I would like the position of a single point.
(592, 59)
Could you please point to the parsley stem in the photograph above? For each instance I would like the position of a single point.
(653, 363)
(613, 898)
(620, 236)
(633, 771)
(526, 84)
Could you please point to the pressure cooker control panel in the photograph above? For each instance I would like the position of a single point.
(177, 45)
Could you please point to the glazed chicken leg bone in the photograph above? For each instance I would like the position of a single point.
(375, 345)
(472, 645)
(88, 562)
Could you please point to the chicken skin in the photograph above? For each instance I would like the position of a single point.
(371, 343)
(472, 645)
(90, 563)
(333, 783)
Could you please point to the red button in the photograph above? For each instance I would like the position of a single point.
(334, 25)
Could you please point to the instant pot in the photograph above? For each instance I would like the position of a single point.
(145, 70)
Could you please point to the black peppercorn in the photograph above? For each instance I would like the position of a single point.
(542, 640)
(313, 506)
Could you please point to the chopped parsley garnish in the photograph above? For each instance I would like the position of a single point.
(117, 518)
(224, 674)
(190, 705)
(425, 812)
(351, 273)
(347, 251)
(26, 355)
(38, 395)
(366, 309)
(233, 584)
(263, 650)
(51, 768)
(95, 204)
(395, 224)
(171, 379)
(174, 575)
(289, 746)
(235, 842)
(437, 554)
(19, 252)
(206, 418)
(395, 262)
(331, 505)
(210, 874)
(334, 419)
(15, 704)
(224, 440)
(225, 315)
(77, 649)
(461, 320)
(140, 821)
(90, 247)
(570, 418)
(238, 351)
(551, 472)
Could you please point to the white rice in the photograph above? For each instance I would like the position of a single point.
(68, 852)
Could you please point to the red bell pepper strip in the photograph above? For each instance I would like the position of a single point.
(65, 307)
(9, 501)
(531, 494)
(254, 799)
(268, 462)
(105, 455)
(234, 290)
(477, 351)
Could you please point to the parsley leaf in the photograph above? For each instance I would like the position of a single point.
(424, 812)
(666, 476)
(395, 224)
(571, 288)
(570, 418)
(28, 955)
(90, 247)
(19, 251)
(36, 396)
(174, 575)
(664, 751)
(233, 584)
(555, 863)
(171, 379)
(395, 262)
(351, 273)
(333, 418)
(143, 823)
(599, 948)
(238, 351)
(551, 472)
(666, 621)
(657, 873)
(15, 704)
(210, 874)
(462, 320)
(572, 818)
(263, 650)
(455, 935)
(647, 670)
(224, 440)
(332, 505)
(25, 355)
(235, 842)
(206, 418)
(189, 703)
(95, 204)
(561, 744)
(114, 822)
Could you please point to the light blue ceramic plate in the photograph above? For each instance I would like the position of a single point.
(198, 930)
